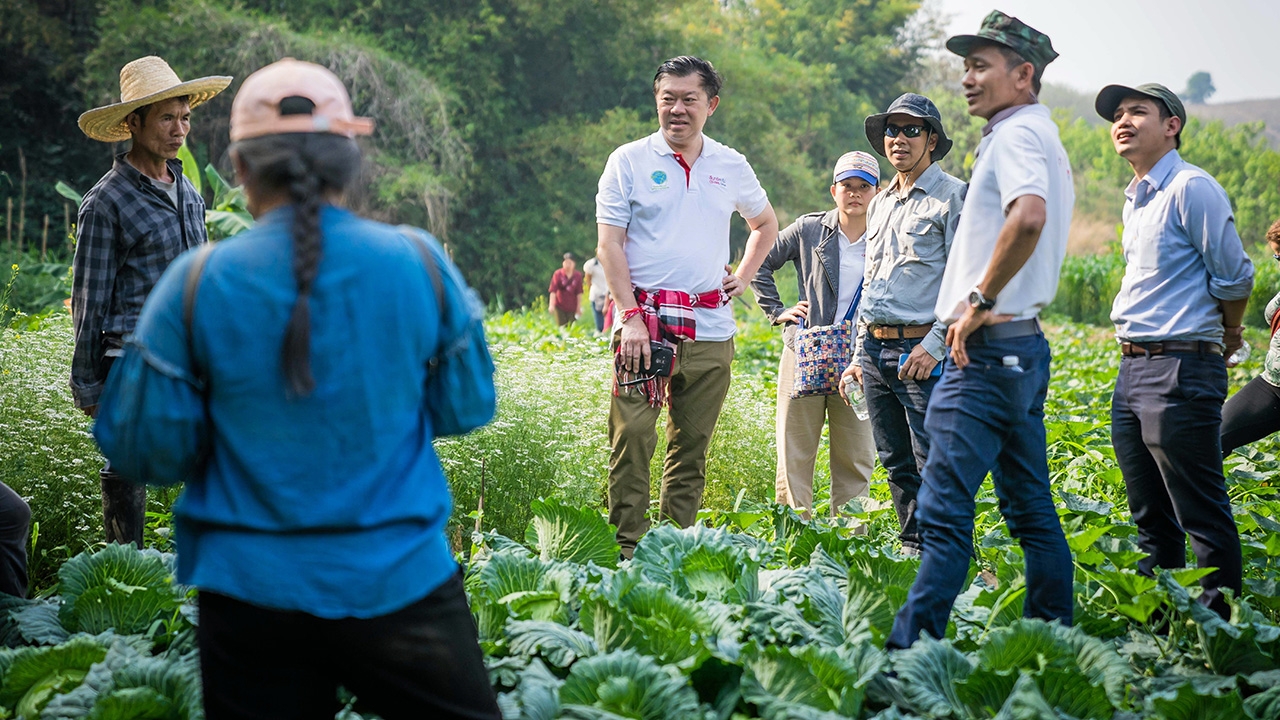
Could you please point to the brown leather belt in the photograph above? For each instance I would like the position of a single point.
(1130, 349)
(899, 332)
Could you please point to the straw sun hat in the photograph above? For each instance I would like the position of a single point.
(143, 82)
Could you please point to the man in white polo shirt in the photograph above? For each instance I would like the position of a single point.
(662, 214)
(987, 411)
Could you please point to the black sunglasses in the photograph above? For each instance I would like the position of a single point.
(911, 131)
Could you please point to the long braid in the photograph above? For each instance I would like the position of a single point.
(304, 191)
(305, 166)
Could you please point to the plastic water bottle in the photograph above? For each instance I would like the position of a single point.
(1011, 362)
(857, 400)
(1239, 355)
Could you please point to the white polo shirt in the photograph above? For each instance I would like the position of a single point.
(678, 223)
(1021, 156)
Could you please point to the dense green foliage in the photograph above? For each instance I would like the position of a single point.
(495, 116)
(758, 612)
(1089, 284)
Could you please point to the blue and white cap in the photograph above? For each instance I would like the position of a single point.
(857, 164)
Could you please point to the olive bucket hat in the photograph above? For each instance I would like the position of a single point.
(914, 105)
(1033, 45)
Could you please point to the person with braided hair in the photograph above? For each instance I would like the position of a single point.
(297, 353)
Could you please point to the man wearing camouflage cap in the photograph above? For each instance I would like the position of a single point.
(987, 411)
(910, 228)
(1177, 315)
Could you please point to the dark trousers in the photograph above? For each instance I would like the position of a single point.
(1166, 414)
(15, 521)
(1251, 414)
(897, 409)
(419, 662)
(987, 417)
(124, 503)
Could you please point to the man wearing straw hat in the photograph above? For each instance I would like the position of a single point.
(140, 216)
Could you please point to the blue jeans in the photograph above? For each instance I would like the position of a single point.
(897, 409)
(987, 417)
(1166, 415)
(598, 312)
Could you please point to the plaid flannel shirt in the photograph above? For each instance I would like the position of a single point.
(127, 234)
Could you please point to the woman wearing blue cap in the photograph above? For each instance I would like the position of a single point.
(828, 250)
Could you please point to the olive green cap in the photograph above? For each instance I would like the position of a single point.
(1110, 97)
(1033, 45)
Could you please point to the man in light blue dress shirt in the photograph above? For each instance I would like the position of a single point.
(1177, 317)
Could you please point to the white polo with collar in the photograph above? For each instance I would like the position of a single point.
(677, 220)
(1022, 155)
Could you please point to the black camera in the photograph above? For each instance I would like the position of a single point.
(661, 357)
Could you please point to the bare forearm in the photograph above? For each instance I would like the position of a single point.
(764, 231)
(612, 254)
(1017, 241)
(1232, 311)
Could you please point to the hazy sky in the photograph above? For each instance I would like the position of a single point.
(1100, 42)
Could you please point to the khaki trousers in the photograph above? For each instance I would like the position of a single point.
(699, 383)
(799, 429)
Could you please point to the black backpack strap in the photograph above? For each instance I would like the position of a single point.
(189, 300)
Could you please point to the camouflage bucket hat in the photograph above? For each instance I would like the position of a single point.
(1033, 45)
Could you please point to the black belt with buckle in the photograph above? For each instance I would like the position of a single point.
(1004, 331)
(1130, 349)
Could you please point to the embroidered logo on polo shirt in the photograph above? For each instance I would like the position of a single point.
(718, 181)
(659, 179)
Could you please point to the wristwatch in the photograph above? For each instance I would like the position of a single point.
(980, 302)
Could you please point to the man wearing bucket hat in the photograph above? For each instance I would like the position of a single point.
(1177, 315)
(910, 227)
(140, 216)
(828, 250)
(987, 411)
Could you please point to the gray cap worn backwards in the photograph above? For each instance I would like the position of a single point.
(914, 105)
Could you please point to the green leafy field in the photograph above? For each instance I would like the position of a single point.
(755, 614)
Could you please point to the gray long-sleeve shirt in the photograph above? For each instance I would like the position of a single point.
(908, 239)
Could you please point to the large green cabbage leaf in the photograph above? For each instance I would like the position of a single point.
(625, 610)
(700, 563)
(629, 685)
(1186, 703)
(536, 695)
(118, 587)
(572, 534)
(929, 672)
(37, 674)
(130, 683)
(559, 645)
(820, 678)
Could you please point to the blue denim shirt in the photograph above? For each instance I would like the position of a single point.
(333, 504)
(1183, 256)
